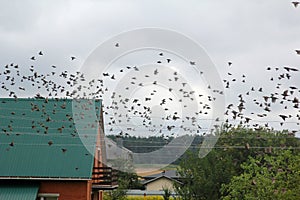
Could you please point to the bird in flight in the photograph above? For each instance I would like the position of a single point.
(295, 3)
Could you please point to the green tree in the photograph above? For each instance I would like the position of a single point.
(203, 177)
(167, 193)
(117, 194)
(269, 176)
(127, 179)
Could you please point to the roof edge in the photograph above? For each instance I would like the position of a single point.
(163, 176)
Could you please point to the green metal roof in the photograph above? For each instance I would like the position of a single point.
(18, 192)
(48, 138)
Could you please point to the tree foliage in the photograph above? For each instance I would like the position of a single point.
(270, 176)
(204, 177)
(127, 179)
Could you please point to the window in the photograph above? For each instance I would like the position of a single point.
(47, 196)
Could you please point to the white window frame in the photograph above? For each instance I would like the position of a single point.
(45, 196)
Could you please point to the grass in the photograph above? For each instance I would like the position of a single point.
(146, 198)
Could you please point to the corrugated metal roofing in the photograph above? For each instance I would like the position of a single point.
(48, 137)
(18, 192)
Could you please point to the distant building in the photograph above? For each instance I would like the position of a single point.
(160, 181)
(53, 149)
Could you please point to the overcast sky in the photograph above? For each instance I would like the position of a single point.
(250, 34)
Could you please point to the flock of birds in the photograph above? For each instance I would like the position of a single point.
(126, 115)
(123, 112)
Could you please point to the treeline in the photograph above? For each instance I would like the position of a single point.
(152, 143)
